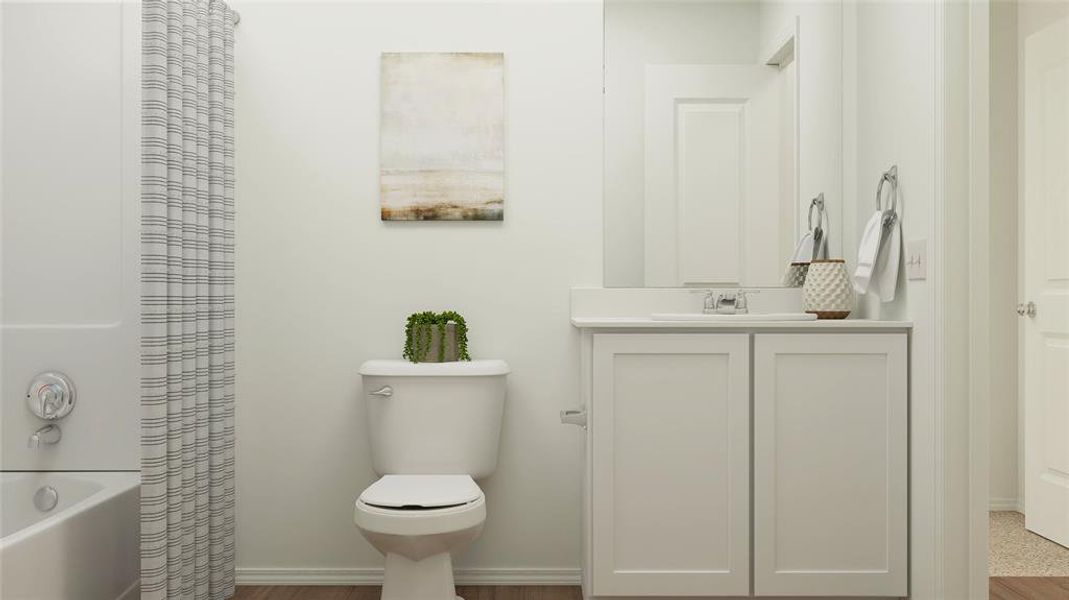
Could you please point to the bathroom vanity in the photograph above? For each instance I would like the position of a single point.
(744, 458)
(733, 448)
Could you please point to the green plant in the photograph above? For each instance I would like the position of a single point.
(418, 334)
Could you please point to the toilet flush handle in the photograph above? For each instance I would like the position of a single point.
(573, 416)
(384, 392)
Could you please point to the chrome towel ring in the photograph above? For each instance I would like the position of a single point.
(822, 214)
(890, 214)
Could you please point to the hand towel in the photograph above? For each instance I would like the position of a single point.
(867, 253)
(820, 244)
(803, 252)
(886, 272)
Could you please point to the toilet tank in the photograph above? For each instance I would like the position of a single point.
(434, 418)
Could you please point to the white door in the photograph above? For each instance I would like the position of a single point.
(670, 493)
(830, 473)
(1045, 334)
(713, 201)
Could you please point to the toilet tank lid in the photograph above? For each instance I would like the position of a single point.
(461, 368)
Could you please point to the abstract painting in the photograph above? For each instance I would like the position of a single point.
(442, 137)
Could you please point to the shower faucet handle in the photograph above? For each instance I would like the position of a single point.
(50, 396)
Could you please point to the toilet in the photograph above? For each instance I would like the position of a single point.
(434, 430)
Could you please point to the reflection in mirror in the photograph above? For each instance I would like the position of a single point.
(722, 123)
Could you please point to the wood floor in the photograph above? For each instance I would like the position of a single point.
(1029, 588)
(371, 592)
(1002, 588)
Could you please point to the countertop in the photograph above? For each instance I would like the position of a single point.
(819, 325)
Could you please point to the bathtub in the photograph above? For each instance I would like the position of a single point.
(85, 548)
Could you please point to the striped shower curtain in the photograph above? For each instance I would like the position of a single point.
(187, 300)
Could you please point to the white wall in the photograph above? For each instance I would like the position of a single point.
(891, 78)
(71, 152)
(1003, 255)
(323, 284)
(654, 33)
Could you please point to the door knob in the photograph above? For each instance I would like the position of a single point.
(1026, 309)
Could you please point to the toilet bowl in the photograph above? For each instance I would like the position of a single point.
(417, 522)
(433, 428)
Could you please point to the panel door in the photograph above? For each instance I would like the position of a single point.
(830, 471)
(1045, 331)
(715, 213)
(670, 476)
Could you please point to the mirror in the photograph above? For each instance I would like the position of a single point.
(723, 121)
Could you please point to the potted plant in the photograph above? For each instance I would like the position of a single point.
(436, 337)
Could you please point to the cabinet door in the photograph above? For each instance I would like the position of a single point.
(830, 478)
(670, 422)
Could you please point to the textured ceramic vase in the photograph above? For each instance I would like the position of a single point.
(794, 276)
(827, 292)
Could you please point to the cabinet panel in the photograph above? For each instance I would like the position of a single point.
(670, 479)
(830, 471)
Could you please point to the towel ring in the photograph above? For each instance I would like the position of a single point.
(890, 214)
(822, 214)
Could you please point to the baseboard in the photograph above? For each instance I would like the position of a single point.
(1005, 504)
(373, 576)
(131, 593)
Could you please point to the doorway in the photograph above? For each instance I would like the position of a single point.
(1029, 418)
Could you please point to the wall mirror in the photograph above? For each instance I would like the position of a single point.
(723, 121)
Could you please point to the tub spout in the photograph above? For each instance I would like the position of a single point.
(49, 434)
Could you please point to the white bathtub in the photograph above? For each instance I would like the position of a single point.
(86, 548)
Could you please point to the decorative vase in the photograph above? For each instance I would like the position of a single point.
(794, 276)
(827, 292)
(437, 351)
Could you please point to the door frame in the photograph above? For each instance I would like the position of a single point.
(971, 394)
(949, 397)
(980, 276)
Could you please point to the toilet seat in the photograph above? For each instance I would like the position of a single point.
(415, 505)
(421, 492)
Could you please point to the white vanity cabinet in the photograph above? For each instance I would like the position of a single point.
(745, 463)
(830, 473)
(670, 485)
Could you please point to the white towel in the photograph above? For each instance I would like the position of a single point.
(803, 252)
(820, 244)
(886, 272)
(867, 253)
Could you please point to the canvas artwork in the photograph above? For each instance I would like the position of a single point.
(442, 137)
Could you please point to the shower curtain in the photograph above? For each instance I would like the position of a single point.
(187, 300)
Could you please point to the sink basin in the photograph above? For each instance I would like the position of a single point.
(729, 318)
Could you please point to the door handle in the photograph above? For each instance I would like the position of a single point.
(1026, 309)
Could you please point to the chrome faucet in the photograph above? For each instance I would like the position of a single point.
(726, 303)
(49, 434)
(709, 306)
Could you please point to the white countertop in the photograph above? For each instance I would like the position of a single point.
(648, 323)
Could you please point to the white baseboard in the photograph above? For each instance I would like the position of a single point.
(1005, 504)
(373, 576)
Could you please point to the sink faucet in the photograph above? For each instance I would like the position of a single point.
(709, 306)
(49, 434)
(726, 303)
